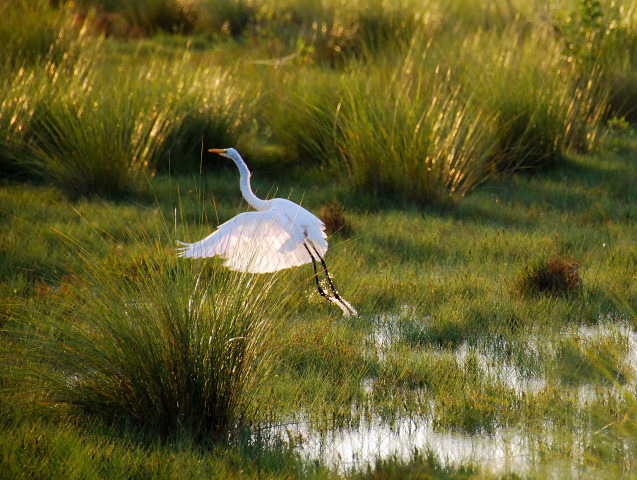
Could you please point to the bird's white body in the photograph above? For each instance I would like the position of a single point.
(275, 237)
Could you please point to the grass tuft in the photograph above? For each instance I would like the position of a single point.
(553, 275)
(155, 341)
(91, 128)
(413, 139)
(542, 106)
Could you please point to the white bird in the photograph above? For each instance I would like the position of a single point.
(279, 235)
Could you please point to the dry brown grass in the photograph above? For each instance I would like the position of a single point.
(552, 275)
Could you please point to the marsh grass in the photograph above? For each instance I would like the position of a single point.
(591, 33)
(336, 33)
(20, 94)
(618, 72)
(92, 129)
(92, 144)
(448, 355)
(305, 118)
(35, 31)
(541, 105)
(168, 346)
(384, 131)
(414, 138)
(116, 339)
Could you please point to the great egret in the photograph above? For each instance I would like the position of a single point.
(279, 235)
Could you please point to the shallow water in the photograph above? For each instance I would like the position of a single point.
(348, 449)
(506, 450)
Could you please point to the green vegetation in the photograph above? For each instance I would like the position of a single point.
(475, 166)
(170, 356)
(553, 275)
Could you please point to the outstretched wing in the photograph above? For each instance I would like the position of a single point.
(255, 242)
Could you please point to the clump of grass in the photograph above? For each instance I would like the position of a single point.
(105, 131)
(592, 35)
(33, 30)
(339, 32)
(552, 275)
(334, 218)
(618, 73)
(162, 343)
(412, 138)
(210, 108)
(542, 106)
(305, 116)
(90, 143)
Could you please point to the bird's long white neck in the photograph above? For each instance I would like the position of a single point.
(244, 184)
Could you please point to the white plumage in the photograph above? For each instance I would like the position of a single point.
(280, 234)
(270, 239)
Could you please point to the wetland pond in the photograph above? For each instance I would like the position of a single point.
(500, 451)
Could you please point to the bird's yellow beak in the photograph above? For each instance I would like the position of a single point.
(220, 151)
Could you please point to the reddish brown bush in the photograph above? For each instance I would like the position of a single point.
(557, 274)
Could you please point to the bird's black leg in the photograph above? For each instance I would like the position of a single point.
(318, 284)
(329, 280)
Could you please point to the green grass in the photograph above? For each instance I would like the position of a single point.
(91, 127)
(181, 351)
(459, 293)
(119, 360)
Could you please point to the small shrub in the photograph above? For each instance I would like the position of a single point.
(554, 275)
(333, 216)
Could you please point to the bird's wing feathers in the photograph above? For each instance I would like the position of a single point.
(312, 226)
(259, 242)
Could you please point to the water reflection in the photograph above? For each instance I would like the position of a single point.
(357, 448)
(504, 451)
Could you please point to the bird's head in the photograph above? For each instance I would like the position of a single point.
(225, 152)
